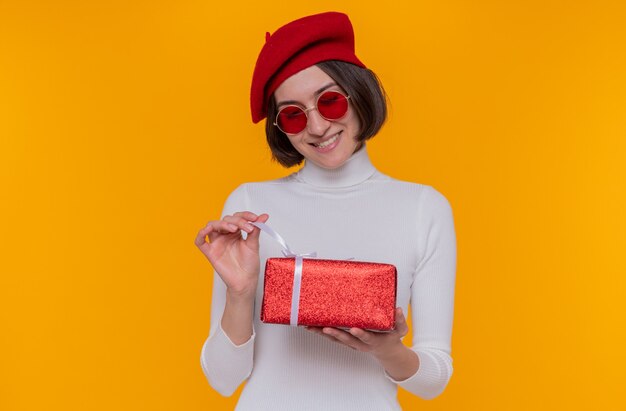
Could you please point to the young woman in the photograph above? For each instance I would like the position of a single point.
(322, 104)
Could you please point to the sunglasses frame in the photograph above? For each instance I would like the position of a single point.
(305, 110)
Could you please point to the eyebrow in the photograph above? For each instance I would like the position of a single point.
(317, 93)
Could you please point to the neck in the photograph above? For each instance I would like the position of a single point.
(356, 170)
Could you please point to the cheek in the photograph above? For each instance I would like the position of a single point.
(354, 124)
(296, 142)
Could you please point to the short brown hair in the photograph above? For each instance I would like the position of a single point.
(367, 96)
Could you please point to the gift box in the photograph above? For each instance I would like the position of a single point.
(329, 293)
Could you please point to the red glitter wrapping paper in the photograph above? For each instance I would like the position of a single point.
(333, 293)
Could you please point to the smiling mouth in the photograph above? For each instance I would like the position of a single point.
(327, 142)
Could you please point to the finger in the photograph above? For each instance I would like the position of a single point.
(221, 227)
(201, 236)
(318, 331)
(401, 326)
(263, 218)
(362, 335)
(240, 222)
(345, 338)
(248, 215)
(201, 242)
(254, 235)
(212, 230)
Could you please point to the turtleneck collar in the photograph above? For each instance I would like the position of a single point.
(356, 170)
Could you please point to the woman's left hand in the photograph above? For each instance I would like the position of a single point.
(381, 345)
(398, 360)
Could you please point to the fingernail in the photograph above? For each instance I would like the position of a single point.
(232, 226)
(249, 227)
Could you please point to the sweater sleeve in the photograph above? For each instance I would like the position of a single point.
(432, 298)
(225, 364)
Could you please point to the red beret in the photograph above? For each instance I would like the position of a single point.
(296, 46)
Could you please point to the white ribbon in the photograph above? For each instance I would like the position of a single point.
(297, 274)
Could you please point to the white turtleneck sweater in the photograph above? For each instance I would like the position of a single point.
(354, 211)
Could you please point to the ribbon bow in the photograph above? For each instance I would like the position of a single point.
(297, 274)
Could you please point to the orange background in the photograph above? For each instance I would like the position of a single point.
(124, 126)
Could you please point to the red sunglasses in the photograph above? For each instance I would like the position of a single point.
(332, 106)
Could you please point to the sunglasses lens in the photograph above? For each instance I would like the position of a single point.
(291, 120)
(332, 105)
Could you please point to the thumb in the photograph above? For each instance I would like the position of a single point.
(401, 326)
(254, 236)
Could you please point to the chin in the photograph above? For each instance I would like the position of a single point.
(329, 163)
(334, 158)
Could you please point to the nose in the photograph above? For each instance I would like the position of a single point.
(316, 124)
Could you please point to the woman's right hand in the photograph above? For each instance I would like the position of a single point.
(236, 260)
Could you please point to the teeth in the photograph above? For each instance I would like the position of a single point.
(327, 142)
